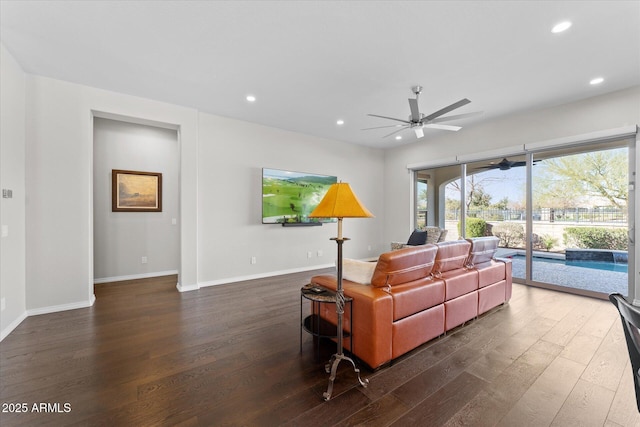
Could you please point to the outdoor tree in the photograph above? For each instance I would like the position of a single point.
(422, 198)
(502, 204)
(477, 196)
(595, 178)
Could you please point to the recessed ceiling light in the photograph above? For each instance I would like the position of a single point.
(398, 137)
(562, 26)
(251, 98)
(340, 122)
(596, 81)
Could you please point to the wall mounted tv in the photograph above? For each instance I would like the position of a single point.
(289, 197)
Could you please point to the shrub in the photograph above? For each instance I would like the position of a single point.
(511, 235)
(474, 227)
(547, 241)
(596, 238)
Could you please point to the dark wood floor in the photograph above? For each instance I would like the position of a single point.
(145, 354)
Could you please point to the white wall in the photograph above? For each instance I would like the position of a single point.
(220, 166)
(232, 154)
(121, 239)
(12, 176)
(59, 211)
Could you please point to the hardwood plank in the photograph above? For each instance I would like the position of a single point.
(581, 348)
(542, 401)
(490, 405)
(587, 405)
(381, 412)
(567, 327)
(443, 404)
(624, 410)
(145, 354)
(608, 362)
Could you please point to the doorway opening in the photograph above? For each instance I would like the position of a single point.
(131, 245)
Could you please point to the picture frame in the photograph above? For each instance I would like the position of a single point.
(135, 191)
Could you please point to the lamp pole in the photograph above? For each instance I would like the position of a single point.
(332, 366)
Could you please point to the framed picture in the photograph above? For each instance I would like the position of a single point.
(133, 191)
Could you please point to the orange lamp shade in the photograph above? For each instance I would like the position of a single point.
(340, 202)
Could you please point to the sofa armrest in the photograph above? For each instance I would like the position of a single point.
(372, 319)
(509, 277)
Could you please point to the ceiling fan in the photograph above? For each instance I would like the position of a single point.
(418, 121)
(505, 165)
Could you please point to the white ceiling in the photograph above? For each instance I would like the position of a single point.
(310, 63)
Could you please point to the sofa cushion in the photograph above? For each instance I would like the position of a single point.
(404, 265)
(417, 238)
(451, 255)
(413, 331)
(459, 282)
(490, 272)
(414, 297)
(491, 296)
(459, 310)
(483, 249)
(358, 271)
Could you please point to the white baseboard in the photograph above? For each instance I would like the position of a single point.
(62, 307)
(186, 288)
(263, 275)
(135, 276)
(6, 331)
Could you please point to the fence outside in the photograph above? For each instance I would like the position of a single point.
(606, 214)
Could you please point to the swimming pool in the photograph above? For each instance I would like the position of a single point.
(604, 277)
(598, 265)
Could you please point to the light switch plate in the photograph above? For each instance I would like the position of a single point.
(5, 230)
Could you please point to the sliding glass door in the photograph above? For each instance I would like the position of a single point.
(580, 218)
(561, 215)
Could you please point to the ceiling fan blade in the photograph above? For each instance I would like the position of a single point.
(456, 117)
(445, 110)
(415, 113)
(382, 127)
(395, 131)
(516, 164)
(390, 118)
(419, 132)
(443, 127)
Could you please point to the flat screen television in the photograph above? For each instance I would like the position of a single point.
(289, 197)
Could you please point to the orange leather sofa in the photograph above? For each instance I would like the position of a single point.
(418, 293)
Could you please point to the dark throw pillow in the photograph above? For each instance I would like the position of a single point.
(417, 238)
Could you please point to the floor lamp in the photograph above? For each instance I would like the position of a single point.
(340, 202)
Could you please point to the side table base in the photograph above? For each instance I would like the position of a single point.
(332, 367)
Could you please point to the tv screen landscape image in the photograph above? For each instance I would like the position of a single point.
(289, 197)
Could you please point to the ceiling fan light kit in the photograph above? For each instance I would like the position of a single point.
(418, 121)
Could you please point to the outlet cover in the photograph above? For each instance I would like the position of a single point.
(144, 260)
